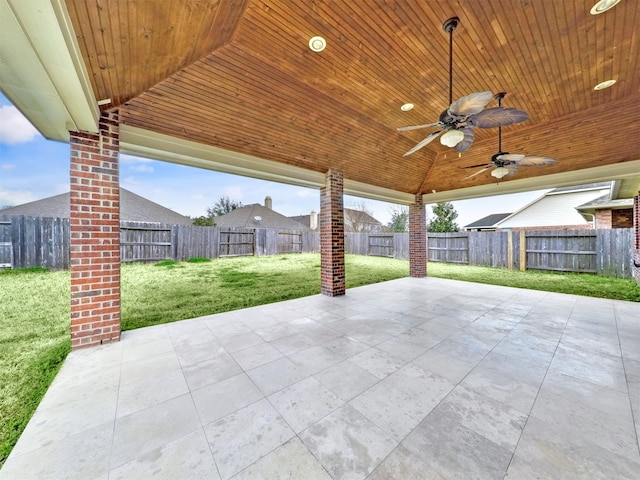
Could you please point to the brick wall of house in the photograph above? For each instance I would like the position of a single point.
(95, 234)
(603, 218)
(622, 218)
(417, 239)
(332, 235)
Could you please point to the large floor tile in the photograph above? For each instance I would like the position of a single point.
(347, 445)
(78, 457)
(152, 427)
(187, 457)
(290, 461)
(245, 436)
(401, 401)
(455, 451)
(304, 403)
(224, 397)
(346, 379)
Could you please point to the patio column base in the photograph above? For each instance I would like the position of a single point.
(95, 234)
(332, 235)
(417, 239)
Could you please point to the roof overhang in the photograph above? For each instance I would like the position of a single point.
(42, 71)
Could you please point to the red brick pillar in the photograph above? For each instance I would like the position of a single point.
(417, 239)
(95, 234)
(332, 235)
(636, 227)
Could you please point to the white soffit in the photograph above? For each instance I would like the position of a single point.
(620, 171)
(144, 143)
(41, 68)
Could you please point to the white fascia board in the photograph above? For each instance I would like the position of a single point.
(157, 146)
(43, 73)
(617, 171)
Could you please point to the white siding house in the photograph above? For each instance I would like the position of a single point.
(556, 208)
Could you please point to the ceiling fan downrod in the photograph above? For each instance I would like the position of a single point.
(449, 26)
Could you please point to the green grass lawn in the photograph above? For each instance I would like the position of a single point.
(34, 307)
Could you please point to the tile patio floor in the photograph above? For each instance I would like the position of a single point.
(408, 379)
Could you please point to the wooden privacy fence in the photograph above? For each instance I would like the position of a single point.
(605, 252)
(44, 241)
(37, 241)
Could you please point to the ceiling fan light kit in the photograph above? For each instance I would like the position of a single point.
(506, 163)
(452, 138)
(455, 122)
(500, 172)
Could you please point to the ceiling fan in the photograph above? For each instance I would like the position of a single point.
(456, 121)
(505, 163)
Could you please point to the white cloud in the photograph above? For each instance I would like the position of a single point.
(307, 193)
(16, 197)
(141, 168)
(130, 181)
(14, 127)
(234, 192)
(7, 166)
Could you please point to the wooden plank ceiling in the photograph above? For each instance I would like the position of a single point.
(238, 74)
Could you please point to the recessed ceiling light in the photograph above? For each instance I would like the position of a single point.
(603, 5)
(603, 85)
(317, 44)
(406, 107)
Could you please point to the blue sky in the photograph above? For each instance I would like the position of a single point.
(32, 168)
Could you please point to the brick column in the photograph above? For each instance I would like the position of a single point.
(636, 227)
(332, 235)
(417, 239)
(95, 234)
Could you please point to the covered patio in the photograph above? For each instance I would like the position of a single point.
(415, 378)
(412, 379)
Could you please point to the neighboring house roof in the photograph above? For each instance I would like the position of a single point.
(605, 203)
(351, 217)
(586, 186)
(304, 220)
(257, 216)
(133, 208)
(556, 207)
(489, 221)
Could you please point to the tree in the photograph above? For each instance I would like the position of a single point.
(204, 221)
(399, 220)
(444, 216)
(358, 218)
(223, 206)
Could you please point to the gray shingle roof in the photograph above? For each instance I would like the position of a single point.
(488, 221)
(133, 208)
(257, 216)
(604, 202)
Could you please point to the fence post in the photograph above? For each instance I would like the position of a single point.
(510, 250)
(523, 250)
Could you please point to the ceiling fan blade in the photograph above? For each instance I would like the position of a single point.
(471, 104)
(513, 168)
(416, 127)
(479, 172)
(510, 157)
(466, 142)
(488, 165)
(423, 142)
(530, 160)
(497, 117)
